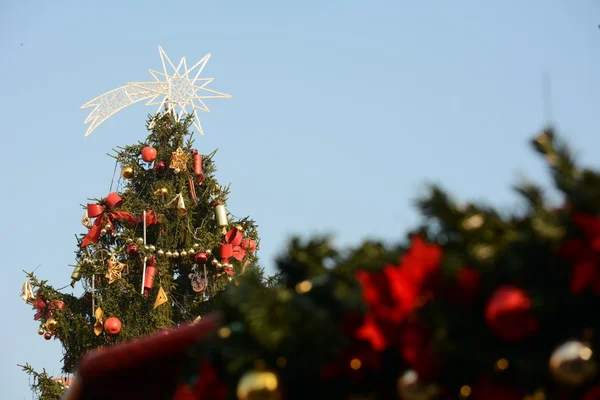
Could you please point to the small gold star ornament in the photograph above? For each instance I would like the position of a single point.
(179, 160)
(115, 268)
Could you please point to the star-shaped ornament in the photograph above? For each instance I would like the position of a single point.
(173, 91)
(115, 269)
(179, 160)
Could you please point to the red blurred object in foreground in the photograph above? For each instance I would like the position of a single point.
(146, 368)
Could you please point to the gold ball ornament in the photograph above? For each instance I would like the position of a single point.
(571, 363)
(103, 231)
(152, 247)
(169, 254)
(41, 331)
(108, 227)
(258, 385)
(239, 228)
(196, 246)
(129, 241)
(183, 253)
(208, 252)
(51, 324)
(140, 240)
(191, 252)
(175, 254)
(160, 252)
(214, 261)
(410, 388)
(127, 172)
(216, 189)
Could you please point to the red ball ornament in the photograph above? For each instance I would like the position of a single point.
(132, 250)
(148, 154)
(112, 325)
(160, 167)
(508, 314)
(201, 258)
(47, 336)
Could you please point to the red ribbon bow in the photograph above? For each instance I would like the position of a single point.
(235, 246)
(46, 310)
(104, 217)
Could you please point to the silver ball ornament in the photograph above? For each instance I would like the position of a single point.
(571, 363)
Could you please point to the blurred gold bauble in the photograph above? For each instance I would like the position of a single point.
(175, 254)
(103, 232)
(140, 240)
(160, 252)
(127, 172)
(183, 253)
(163, 191)
(169, 254)
(41, 331)
(258, 385)
(571, 363)
(51, 324)
(216, 189)
(214, 261)
(410, 388)
(208, 252)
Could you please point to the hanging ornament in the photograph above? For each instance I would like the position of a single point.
(76, 275)
(215, 189)
(262, 385)
(161, 192)
(221, 214)
(148, 154)
(179, 160)
(85, 220)
(47, 336)
(51, 324)
(112, 325)
(160, 167)
(41, 331)
(508, 314)
(98, 314)
(132, 250)
(149, 277)
(27, 292)
(161, 298)
(115, 268)
(571, 363)
(197, 158)
(198, 279)
(127, 172)
(201, 257)
(178, 203)
(192, 190)
(410, 388)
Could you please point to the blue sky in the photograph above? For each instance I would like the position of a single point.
(341, 111)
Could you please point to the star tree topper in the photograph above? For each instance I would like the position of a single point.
(177, 91)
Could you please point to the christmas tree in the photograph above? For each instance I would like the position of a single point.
(160, 247)
(477, 304)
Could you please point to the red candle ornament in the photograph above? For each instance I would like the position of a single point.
(148, 154)
(197, 157)
(112, 325)
(149, 278)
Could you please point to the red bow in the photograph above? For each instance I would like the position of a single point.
(46, 310)
(103, 218)
(235, 246)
